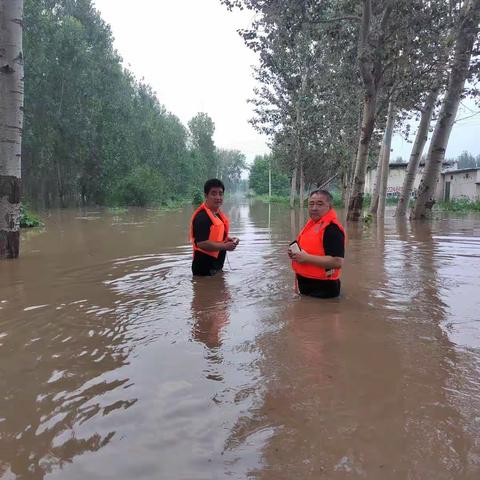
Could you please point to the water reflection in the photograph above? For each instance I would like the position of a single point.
(331, 409)
(210, 303)
(107, 345)
(54, 381)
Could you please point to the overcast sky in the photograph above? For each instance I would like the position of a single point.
(189, 51)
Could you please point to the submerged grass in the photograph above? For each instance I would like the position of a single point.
(28, 219)
(459, 205)
(272, 199)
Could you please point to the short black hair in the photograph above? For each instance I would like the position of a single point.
(213, 183)
(325, 193)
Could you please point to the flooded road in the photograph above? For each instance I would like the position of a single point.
(116, 364)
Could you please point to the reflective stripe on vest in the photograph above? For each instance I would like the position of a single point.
(310, 240)
(218, 229)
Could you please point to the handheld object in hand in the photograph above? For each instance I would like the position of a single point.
(294, 247)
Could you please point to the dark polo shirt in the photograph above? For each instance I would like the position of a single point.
(334, 246)
(204, 264)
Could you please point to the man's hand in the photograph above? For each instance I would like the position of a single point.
(300, 257)
(229, 245)
(235, 240)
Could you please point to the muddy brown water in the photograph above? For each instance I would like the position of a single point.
(115, 364)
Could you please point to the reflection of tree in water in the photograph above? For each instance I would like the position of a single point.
(437, 431)
(210, 315)
(371, 390)
(272, 216)
(54, 379)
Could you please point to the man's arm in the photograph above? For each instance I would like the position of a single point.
(326, 261)
(201, 232)
(334, 246)
(212, 246)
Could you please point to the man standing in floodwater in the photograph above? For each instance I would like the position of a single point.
(317, 254)
(209, 232)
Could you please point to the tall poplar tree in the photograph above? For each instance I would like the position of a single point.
(467, 36)
(11, 124)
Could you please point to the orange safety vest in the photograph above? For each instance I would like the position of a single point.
(310, 239)
(218, 229)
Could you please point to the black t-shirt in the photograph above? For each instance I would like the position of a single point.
(204, 264)
(334, 246)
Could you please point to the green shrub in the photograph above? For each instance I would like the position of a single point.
(143, 186)
(273, 198)
(28, 219)
(117, 210)
(337, 198)
(463, 204)
(197, 196)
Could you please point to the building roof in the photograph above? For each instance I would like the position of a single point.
(400, 165)
(461, 170)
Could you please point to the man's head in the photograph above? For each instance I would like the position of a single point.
(319, 203)
(213, 190)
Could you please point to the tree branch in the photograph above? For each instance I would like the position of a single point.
(339, 19)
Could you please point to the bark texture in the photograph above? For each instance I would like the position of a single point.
(371, 69)
(378, 176)
(382, 190)
(416, 153)
(356, 199)
(11, 124)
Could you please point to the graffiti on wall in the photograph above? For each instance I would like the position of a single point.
(393, 192)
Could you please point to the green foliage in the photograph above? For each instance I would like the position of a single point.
(459, 205)
(367, 200)
(143, 186)
(368, 218)
(231, 164)
(337, 199)
(467, 160)
(202, 128)
(117, 210)
(258, 179)
(92, 133)
(28, 219)
(197, 196)
(273, 199)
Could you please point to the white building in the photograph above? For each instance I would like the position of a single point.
(461, 183)
(396, 176)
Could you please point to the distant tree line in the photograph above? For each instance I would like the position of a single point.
(467, 160)
(338, 77)
(259, 176)
(93, 134)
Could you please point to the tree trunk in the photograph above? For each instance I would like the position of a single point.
(302, 186)
(371, 69)
(416, 154)
(382, 191)
(378, 176)
(344, 187)
(353, 163)
(11, 124)
(463, 51)
(293, 188)
(269, 178)
(298, 140)
(368, 122)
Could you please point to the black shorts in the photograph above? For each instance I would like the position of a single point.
(318, 288)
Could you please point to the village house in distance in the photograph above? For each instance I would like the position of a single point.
(454, 183)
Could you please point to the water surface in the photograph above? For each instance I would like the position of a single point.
(116, 364)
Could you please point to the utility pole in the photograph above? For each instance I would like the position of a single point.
(270, 178)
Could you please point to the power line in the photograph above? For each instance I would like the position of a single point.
(465, 118)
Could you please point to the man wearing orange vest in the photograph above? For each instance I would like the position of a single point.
(209, 231)
(317, 255)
